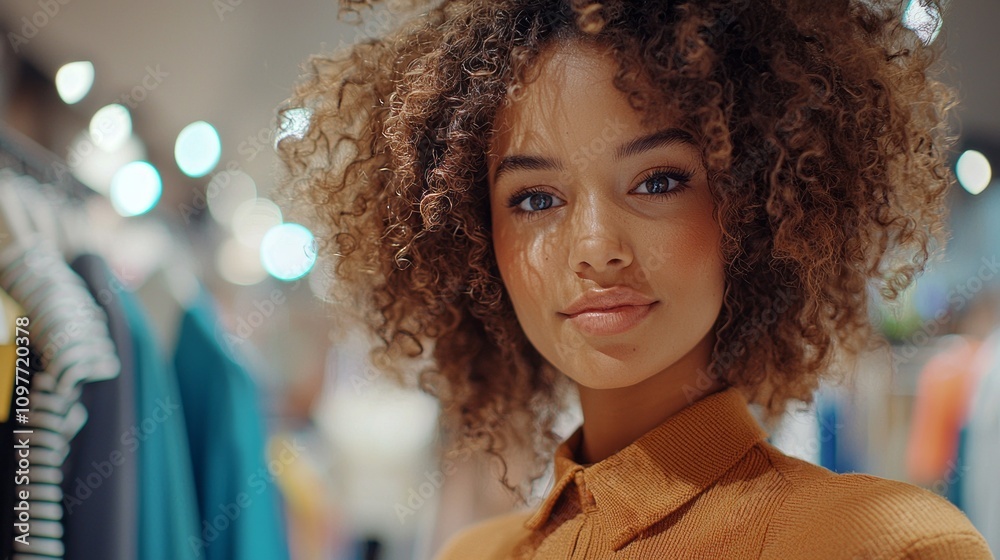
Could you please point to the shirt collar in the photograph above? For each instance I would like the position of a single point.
(662, 470)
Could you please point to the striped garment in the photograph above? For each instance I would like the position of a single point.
(69, 331)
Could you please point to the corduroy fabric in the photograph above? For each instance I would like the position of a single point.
(706, 484)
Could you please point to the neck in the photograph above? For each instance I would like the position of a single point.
(614, 418)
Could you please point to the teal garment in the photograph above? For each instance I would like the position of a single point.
(168, 514)
(237, 495)
(955, 478)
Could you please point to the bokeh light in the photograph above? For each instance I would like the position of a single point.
(110, 127)
(239, 264)
(74, 80)
(226, 192)
(135, 188)
(253, 219)
(95, 167)
(288, 251)
(973, 171)
(198, 149)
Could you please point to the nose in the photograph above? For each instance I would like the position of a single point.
(597, 245)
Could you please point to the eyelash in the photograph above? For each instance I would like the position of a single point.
(681, 176)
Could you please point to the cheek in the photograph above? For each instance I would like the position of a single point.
(685, 257)
(704, 261)
(700, 249)
(524, 261)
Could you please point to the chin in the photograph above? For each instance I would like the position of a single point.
(605, 381)
(608, 374)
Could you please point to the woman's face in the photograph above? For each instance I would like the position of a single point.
(585, 200)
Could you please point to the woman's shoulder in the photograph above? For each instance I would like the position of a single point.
(488, 539)
(863, 516)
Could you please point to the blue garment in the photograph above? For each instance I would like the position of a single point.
(167, 509)
(840, 449)
(237, 498)
(955, 478)
(826, 415)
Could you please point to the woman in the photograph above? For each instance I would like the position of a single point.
(669, 209)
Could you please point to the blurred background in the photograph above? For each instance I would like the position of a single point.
(137, 151)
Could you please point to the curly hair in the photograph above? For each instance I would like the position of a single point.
(821, 125)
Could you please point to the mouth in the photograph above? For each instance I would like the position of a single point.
(610, 321)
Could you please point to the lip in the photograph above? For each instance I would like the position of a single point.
(610, 311)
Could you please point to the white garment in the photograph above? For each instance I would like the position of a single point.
(982, 481)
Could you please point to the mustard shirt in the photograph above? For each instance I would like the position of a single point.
(706, 484)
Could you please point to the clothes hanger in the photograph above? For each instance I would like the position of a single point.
(20, 158)
(40, 212)
(27, 157)
(14, 222)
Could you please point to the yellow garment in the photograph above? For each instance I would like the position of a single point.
(8, 368)
(9, 312)
(706, 484)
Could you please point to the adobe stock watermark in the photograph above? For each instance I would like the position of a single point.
(362, 381)
(255, 485)
(262, 311)
(959, 296)
(612, 133)
(249, 148)
(953, 473)
(116, 285)
(31, 26)
(150, 81)
(225, 7)
(826, 431)
(749, 332)
(85, 485)
(383, 19)
(654, 259)
(82, 150)
(76, 315)
(417, 497)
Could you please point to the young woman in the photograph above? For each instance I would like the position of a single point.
(669, 209)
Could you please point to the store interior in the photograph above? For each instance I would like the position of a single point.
(145, 133)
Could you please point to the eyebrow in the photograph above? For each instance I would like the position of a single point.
(658, 139)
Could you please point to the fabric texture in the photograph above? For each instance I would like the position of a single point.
(168, 513)
(100, 483)
(981, 492)
(75, 348)
(237, 495)
(944, 392)
(706, 484)
(10, 311)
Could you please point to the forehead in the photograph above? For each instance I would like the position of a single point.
(572, 100)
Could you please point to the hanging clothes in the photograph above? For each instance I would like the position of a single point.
(10, 311)
(981, 492)
(227, 438)
(71, 333)
(836, 414)
(982, 364)
(168, 512)
(100, 487)
(944, 390)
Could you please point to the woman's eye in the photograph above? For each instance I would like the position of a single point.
(533, 202)
(659, 183)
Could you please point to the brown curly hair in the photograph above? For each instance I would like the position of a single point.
(821, 126)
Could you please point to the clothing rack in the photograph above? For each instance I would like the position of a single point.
(23, 154)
